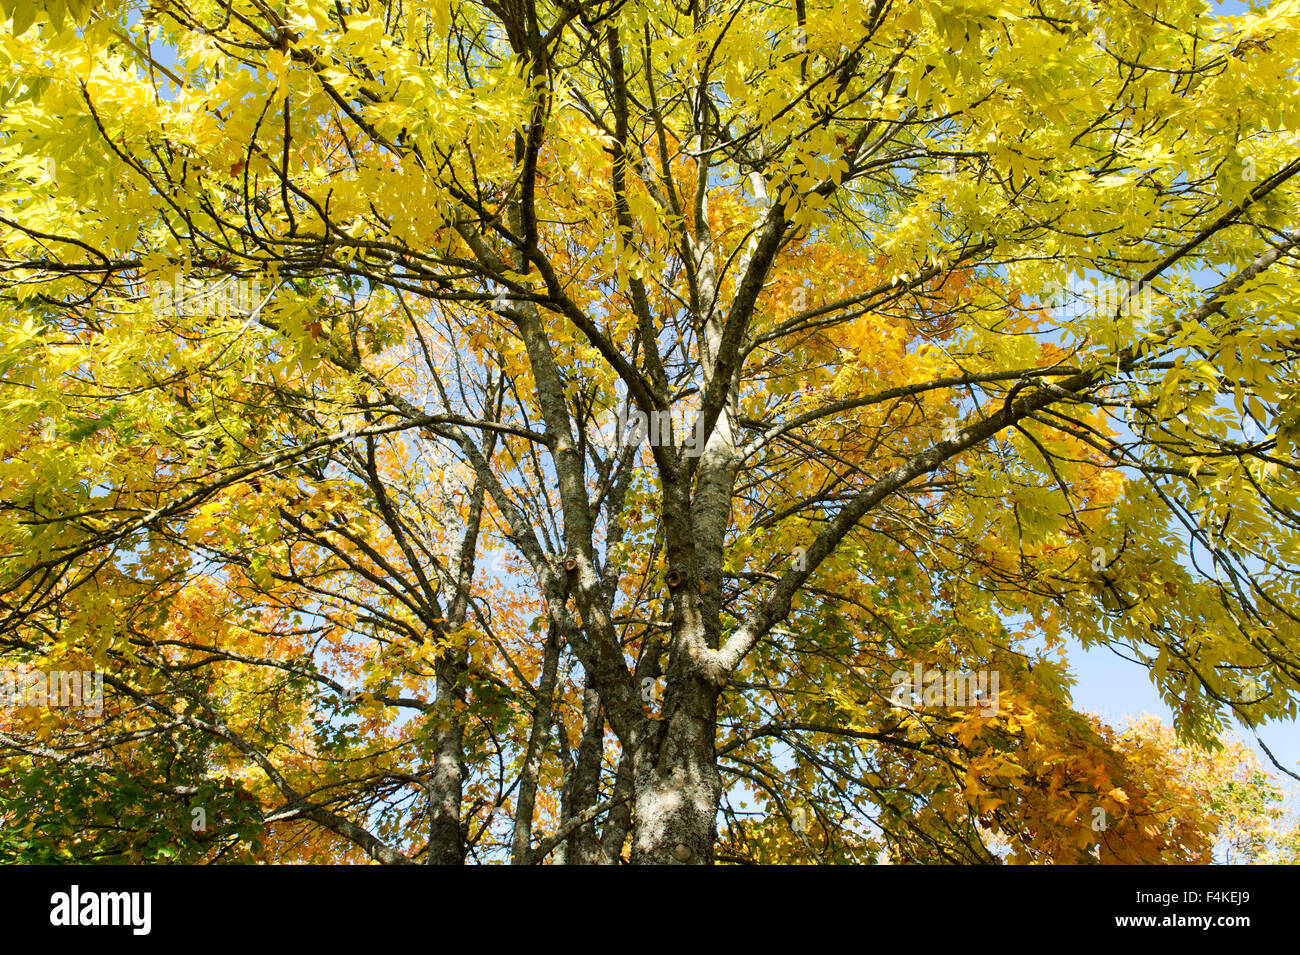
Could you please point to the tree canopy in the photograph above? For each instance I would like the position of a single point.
(557, 432)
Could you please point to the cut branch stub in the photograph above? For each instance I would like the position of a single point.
(570, 564)
(673, 578)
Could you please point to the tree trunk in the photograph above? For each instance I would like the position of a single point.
(678, 785)
(583, 847)
(445, 780)
(521, 844)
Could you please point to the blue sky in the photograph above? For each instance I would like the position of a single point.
(1116, 690)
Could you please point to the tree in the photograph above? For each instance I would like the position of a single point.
(540, 430)
(1243, 804)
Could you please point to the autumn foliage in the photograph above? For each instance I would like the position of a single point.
(324, 330)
